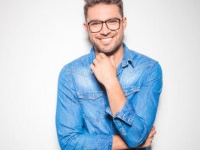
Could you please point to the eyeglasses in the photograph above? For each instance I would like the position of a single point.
(96, 25)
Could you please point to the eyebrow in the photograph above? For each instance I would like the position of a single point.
(96, 20)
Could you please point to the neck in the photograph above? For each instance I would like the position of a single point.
(117, 56)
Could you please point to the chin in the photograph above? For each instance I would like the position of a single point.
(107, 52)
(111, 51)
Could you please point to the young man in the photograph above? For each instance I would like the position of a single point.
(108, 98)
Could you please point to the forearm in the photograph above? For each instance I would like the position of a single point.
(115, 95)
(134, 133)
(118, 142)
(85, 141)
(132, 125)
(123, 117)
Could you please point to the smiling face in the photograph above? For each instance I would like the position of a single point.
(106, 40)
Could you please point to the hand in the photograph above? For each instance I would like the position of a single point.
(118, 143)
(104, 69)
(149, 139)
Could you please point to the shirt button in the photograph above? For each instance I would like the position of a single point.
(123, 132)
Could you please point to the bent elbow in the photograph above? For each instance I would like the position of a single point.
(136, 138)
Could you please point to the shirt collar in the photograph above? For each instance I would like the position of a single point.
(92, 55)
(127, 58)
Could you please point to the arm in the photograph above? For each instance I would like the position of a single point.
(149, 139)
(118, 142)
(69, 120)
(132, 119)
(137, 116)
(105, 72)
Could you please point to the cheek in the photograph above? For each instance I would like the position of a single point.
(121, 34)
(92, 37)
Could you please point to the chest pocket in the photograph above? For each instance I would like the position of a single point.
(93, 105)
(131, 92)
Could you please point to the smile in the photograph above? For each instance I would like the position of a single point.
(106, 41)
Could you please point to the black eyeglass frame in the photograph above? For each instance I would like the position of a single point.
(102, 22)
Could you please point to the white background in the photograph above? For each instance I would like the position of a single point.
(37, 37)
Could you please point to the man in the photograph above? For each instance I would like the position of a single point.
(108, 98)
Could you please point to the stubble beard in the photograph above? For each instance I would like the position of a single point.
(107, 52)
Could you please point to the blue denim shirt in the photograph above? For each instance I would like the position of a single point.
(84, 120)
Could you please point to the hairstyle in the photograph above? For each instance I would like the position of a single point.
(91, 3)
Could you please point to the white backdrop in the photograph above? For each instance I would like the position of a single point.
(37, 37)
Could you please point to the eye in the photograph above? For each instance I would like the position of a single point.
(112, 21)
(94, 23)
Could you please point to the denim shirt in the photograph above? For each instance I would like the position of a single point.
(84, 120)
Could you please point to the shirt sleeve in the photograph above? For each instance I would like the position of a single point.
(135, 120)
(69, 120)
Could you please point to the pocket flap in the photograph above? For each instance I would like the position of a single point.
(90, 95)
(130, 91)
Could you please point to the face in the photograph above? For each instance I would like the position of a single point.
(106, 40)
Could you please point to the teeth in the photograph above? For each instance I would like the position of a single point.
(106, 40)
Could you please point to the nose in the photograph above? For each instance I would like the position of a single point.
(105, 29)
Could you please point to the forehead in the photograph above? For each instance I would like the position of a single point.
(103, 12)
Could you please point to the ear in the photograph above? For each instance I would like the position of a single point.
(124, 22)
(85, 26)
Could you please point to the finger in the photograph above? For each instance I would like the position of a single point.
(155, 132)
(153, 128)
(95, 62)
(151, 135)
(152, 132)
(98, 58)
(92, 67)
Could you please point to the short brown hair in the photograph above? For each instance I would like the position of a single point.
(90, 3)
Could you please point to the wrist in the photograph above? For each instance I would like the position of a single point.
(118, 143)
(112, 83)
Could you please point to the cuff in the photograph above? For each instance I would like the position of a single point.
(105, 142)
(126, 114)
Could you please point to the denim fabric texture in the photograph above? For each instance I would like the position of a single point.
(84, 120)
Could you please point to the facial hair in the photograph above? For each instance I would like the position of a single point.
(111, 51)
